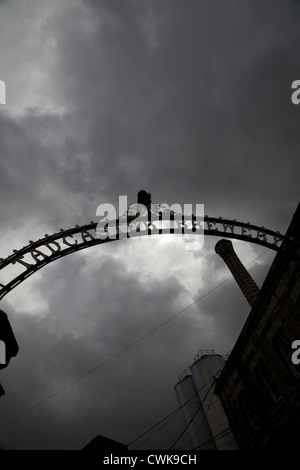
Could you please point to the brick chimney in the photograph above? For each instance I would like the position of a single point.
(224, 249)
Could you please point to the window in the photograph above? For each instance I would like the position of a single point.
(248, 412)
(270, 383)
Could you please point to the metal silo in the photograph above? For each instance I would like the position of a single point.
(193, 414)
(208, 365)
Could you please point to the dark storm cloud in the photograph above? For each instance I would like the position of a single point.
(189, 100)
(194, 96)
(200, 98)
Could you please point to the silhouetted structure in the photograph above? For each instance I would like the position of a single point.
(8, 338)
(260, 384)
(144, 198)
(224, 248)
(101, 443)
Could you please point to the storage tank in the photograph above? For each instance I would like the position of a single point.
(193, 414)
(208, 365)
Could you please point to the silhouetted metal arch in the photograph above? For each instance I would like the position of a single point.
(214, 226)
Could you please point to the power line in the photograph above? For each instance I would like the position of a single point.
(174, 412)
(49, 397)
(219, 434)
(183, 446)
(52, 395)
(193, 417)
(159, 429)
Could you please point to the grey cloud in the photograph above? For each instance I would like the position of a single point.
(190, 103)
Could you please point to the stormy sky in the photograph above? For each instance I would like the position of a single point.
(187, 99)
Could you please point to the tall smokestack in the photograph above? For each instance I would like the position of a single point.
(224, 248)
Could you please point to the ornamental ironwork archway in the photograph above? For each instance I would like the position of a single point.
(39, 253)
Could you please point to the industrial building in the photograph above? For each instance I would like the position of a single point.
(206, 422)
(260, 384)
(256, 391)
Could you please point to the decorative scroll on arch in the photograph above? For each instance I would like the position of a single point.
(39, 253)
